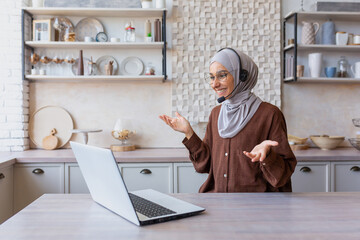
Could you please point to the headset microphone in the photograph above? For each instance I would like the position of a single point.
(221, 99)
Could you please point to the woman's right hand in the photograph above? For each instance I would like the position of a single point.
(179, 124)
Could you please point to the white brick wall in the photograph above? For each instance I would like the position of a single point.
(14, 93)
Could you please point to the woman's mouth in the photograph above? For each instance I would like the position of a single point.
(221, 91)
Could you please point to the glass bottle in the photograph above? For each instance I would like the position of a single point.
(342, 66)
(129, 33)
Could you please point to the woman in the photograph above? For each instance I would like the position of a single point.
(245, 148)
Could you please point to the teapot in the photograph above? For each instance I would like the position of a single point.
(308, 32)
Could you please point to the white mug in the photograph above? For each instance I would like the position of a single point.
(356, 69)
(315, 60)
(88, 39)
(114, 39)
(34, 71)
(38, 3)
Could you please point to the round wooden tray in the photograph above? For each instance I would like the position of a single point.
(122, 148)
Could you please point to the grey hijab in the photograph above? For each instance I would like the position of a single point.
(237, 111)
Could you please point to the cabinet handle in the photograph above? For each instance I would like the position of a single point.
(38, 171)
(355, 169)
(2, 176)
(305, 169)
(145, 171)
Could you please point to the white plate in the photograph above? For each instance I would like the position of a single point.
(47, 118)
(132, 66)
(102, 61)
(74, 67)
(88, 27)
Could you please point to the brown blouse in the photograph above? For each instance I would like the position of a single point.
(229, 169)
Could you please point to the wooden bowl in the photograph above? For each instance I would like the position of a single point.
(327, 142)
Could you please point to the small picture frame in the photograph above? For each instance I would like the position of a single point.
(43, 30)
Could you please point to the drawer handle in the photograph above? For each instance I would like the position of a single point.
(305, 169)
(2, 176)
(38, 171)
(145, 171)
(355, 169)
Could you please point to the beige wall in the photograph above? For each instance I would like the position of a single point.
(97, 106)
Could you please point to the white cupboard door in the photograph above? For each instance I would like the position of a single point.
(157, 176)
(33, 180)
(187, 180)
(311, 177)
(74, 180)
(6, 193)
(345, 176)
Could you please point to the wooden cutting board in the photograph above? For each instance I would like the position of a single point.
(50, 142)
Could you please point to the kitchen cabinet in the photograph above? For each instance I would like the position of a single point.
(186, 179)
(74, 180)
(6, 193)
(33, 180)
(112, 17)
(311, 177)
(345, 176)
(297, 54)
(158, 176)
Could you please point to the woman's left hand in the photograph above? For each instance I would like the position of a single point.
(260, 151)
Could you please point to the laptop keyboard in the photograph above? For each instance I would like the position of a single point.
(148, 208)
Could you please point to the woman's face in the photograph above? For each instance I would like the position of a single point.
(221, 80)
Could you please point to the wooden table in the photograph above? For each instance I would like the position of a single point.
(227, 216)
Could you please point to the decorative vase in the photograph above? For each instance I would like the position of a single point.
(328, 33)
(308, 32)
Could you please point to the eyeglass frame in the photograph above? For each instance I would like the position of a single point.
(220, 79)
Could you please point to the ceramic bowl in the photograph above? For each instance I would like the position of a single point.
(355, 142)
(296, 140)
(327, 142)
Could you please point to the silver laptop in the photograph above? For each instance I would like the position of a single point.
(103, 178)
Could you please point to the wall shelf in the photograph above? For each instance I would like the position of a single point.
(97, 78)
(322, 80)
(320, 47)
(97, 12)
(96, 45)
(334, 16)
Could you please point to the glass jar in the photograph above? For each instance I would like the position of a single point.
(342, 66)
(130, 34)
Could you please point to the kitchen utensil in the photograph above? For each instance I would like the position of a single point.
(309, 31)
(327, 142)
(315, 60)
(341, 38)
(297, 147)
(132, 66)
(102, 61)
(355, 142)
(74, 67)
(328, 33)
(296, 140)
(88, 27)
(85, 132)
(47, 118)
(109, 68)
(50, 142)
(356, 122)
(342, 66)
(356, 69)
(330, 72)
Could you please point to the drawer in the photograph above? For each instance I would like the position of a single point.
(157, 176)
(346, 176)
(311, 177)
(187, 180)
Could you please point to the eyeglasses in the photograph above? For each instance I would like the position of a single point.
(221, 76)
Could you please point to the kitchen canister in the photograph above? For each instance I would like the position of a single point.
(308, 33)
(328, 33)
(341, 38)
(315, 61)
(160, 4)
(146, 3)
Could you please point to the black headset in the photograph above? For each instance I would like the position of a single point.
(243, 75)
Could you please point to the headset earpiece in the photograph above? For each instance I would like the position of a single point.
(243, 75)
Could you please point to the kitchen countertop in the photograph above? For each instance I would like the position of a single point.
(160, 155)
(227, 216)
